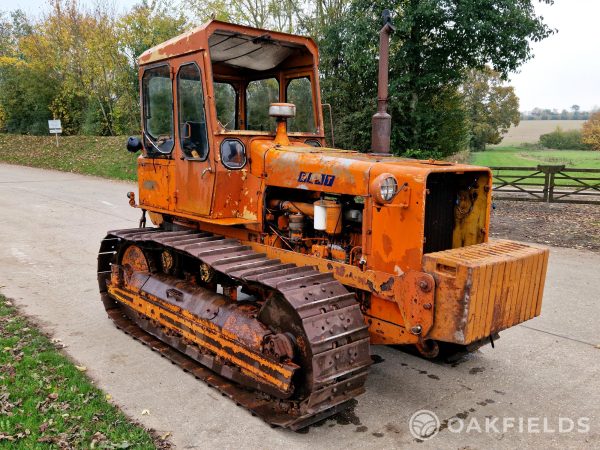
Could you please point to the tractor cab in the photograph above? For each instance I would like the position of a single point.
(205, 97)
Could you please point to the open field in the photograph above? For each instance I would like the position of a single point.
(47, 401)
(525, 157)
(529, 131)
(90, 155)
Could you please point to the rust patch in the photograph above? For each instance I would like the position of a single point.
(387, 244)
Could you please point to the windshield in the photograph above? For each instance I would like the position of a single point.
(259, 95)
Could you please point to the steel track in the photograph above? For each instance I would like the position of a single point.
(330, 318)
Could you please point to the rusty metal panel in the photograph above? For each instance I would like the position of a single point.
(483, 289)
(156, 183)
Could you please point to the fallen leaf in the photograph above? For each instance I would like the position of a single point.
(43, 427)
(53, 396)
(96, 438)
(81, 368)
(165, 436)
(108, 396)
(145, 412)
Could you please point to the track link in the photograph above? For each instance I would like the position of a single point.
(330, 318)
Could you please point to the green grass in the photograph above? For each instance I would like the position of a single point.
(91, 155)
(48, 402)
(526, 157)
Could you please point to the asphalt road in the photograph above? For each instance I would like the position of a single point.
(541, 373)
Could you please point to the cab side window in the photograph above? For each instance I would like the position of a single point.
(158, 110)
(192, 117)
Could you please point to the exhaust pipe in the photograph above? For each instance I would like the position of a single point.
(381, 123)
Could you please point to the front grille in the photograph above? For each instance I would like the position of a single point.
(442, 190)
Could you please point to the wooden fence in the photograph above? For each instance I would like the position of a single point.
(550, 184)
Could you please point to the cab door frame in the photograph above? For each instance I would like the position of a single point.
(194, 178)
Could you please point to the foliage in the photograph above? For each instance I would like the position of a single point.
(78, 65)
(563, 140)
(431, 51)
(280, 15)
(422, 154)
(47, 401)
(492, 107)
(591, 131)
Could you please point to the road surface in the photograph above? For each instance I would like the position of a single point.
(541, 373)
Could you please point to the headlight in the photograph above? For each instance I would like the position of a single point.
(282, 110)
(388, 188)
(384, 188)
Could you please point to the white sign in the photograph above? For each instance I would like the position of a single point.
(55, 126)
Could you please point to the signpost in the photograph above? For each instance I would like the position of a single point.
(55, 128)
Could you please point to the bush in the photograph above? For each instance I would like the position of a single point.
(591, 131)
(531, 145)
(563, 140)
(462, 157)
(423, 154)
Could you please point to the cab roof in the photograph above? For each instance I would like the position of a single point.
(233, 45)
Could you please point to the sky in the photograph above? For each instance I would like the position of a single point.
(565, 70)
(566, 67)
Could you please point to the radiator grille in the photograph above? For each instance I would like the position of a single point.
(439, 211)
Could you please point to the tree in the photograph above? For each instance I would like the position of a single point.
(279, 15)
(492, 107)
(590, 134)
(432, 49)
(79, 65)
(26, 89)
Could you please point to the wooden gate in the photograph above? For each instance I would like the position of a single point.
(547, 183)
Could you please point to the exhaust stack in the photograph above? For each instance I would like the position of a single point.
(382, 122)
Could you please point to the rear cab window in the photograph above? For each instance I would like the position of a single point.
(299, 92)
(226, 104)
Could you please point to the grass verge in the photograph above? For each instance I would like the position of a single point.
(91, 155)
(48, 402)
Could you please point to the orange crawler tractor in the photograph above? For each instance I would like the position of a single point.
(276, 261)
